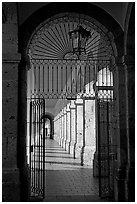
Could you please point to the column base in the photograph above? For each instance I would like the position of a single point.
(103, 163)
(95, 165)
(72, 144)
(125, 184)
(11, 185)
(68, 146)
(61, 142)
(88, 155)
(121, 185)
(78, 151)
(64, 144)
(131, 184)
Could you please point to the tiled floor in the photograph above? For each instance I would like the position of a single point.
(66, 180)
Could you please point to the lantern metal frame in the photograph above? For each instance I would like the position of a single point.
(79, 38)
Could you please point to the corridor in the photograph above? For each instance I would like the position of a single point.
(66, 180)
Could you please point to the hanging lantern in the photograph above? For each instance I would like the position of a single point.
(79, 38)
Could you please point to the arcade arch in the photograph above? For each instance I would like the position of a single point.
(15, 168)
(81, 125)
(49, 124)
(112, 41)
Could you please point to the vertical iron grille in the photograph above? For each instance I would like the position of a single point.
(71, 79)
(66, 78)
(37, 148)
(106, 133)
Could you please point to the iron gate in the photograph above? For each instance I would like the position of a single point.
(69, 79)
(106, 147)
(37, 148)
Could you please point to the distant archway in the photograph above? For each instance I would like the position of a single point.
(51, 118)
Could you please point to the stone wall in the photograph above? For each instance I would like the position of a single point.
(10, 60)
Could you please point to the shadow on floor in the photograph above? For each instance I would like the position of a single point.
(70, 198)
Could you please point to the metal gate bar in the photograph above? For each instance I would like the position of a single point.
(106, 149)
(55, 79)
(37, 148)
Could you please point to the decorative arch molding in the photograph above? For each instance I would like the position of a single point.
(114, 30)
(129, 45)
(50, 40)
(129, 58)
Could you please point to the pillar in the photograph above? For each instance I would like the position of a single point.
(130, 116)
(89, 131)
(129, 41)
(10, 61)
(122, 150)
(80, 137)
(95, 159)
(60, 132)
(72, 127)
(22, 132)
(64, 128)
(68, 129)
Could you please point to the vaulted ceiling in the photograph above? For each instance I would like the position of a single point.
(116, 9)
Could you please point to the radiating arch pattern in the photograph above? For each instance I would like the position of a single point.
(51, 39)
(56, 72)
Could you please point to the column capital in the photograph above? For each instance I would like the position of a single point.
(68, 110)
(72, 105)
(79, 102)
(68, 107)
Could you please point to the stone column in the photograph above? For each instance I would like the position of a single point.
(130, 116)
(89, 131)
(64, 128)
(10, 61)
(79, 128)
(95, 159)
(72, 126)
(11, 182)
(129, 42)
(122, 156)
(106, 120)
(68, 128)
(22, 131)
(60, 132)
(57, 128)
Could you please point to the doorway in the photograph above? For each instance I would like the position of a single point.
(72, 89)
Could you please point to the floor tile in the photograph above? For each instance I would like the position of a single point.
(65, 178)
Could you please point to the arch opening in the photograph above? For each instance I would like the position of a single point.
(68, 78)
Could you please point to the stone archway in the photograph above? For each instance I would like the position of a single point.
(51, 119)
(114, 33)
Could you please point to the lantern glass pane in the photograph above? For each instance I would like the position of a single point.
(75, 43)
(75, 40)
(83, 43)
